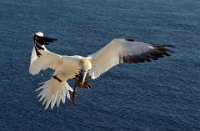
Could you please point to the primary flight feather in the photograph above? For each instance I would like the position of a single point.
(82, 69)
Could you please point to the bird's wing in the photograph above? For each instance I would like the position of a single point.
(43, 40)
(56, 89)
(69, 65)
(45, 60)
(125, 51)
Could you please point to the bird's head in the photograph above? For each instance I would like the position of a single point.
(86, 66)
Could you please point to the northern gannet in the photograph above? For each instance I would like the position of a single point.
(81, 69)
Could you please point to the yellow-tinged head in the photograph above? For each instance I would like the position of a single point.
(85, 65)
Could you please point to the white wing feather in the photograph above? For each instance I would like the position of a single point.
(124, 51)
(57, 89)
(46, 60)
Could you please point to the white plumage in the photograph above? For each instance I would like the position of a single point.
(117, 51)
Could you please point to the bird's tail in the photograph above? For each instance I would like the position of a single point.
(53, 92)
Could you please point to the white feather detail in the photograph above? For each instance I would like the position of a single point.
(46, 60)
(52, 92)
(123, 51)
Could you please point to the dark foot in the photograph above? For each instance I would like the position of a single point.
(74, 96)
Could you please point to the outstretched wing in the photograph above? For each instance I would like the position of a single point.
(46, 60)
(125, 51)
(43, 40)
(41, 58)
(56, 89)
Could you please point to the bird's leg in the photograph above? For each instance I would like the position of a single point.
(74, 95)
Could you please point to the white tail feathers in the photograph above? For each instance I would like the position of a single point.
(53, 92)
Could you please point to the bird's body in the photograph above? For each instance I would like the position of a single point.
(81, 69)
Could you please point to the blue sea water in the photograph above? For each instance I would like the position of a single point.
(162, 95)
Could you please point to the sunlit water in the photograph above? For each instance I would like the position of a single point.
(162, 95)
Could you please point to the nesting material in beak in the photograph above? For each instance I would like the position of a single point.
(82, 79)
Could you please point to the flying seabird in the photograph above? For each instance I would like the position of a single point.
(82, 69)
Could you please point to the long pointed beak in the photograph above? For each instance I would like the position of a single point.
(84, 76)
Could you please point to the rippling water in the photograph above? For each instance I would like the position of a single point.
(162, 95)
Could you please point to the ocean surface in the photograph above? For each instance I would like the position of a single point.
(163, 95)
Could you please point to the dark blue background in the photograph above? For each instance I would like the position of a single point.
(162, 95)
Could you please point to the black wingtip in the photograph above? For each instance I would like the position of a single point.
(166, 47)
(43, 40)
(171, 46)
(158, 51)
(128, 39)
